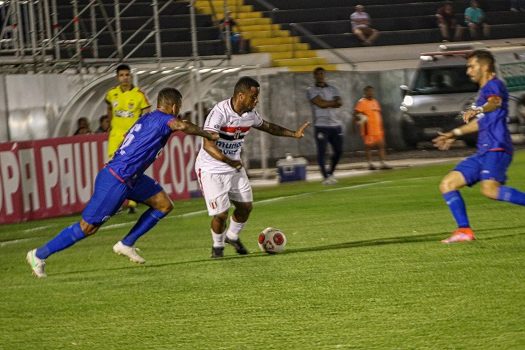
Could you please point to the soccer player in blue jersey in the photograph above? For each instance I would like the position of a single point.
(122, 178)
(489, 164)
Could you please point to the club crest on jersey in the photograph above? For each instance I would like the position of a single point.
(237, 134)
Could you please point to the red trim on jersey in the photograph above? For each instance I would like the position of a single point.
(116, 175)
(235, 128)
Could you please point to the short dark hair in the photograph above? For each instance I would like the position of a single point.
(169, 96)
(102, 117)
(485, 57)
(319, 69)
(122, 67)
(244, 84)
(368, 87)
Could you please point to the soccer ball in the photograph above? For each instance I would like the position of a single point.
(272, 240)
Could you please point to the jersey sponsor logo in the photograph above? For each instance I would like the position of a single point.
(123, 113)
(229, 148)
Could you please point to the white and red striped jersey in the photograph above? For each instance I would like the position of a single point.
(232, 129)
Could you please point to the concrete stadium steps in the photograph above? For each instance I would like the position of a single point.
(263, 35)
(260, 27)
(309, 61)
(244, 22)
(310, 68)
(293, 54)
(281, 48)
(402, 23)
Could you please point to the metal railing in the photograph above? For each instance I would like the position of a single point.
(31, 34)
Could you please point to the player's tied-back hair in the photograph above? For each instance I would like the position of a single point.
(484, 57)
(169, 97)
(245, 84)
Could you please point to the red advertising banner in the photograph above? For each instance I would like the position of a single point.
(54, 177)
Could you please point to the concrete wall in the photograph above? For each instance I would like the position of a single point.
(34, 105)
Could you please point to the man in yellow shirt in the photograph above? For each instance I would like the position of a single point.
(126, 103)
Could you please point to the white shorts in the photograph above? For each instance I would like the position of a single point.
(219, 189)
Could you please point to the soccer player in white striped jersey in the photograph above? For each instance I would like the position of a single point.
(222, 177)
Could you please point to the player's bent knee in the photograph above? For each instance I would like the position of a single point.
(88, 229)
(489, 191)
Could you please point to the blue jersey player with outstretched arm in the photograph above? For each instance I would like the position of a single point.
(123, 178)
(489, 164)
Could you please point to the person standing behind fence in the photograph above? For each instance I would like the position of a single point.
(367, 114)
(328, 128)
(126, 103)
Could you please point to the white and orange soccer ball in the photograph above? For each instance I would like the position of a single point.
(272, 240)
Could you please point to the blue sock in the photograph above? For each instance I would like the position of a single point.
(145, 223)
(511, 195)
(66, 238)
(457, 207)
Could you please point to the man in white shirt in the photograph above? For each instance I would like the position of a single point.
(222, 177)
(360, 21)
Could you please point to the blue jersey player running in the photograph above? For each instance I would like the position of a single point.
(489, 164)
(123, 178)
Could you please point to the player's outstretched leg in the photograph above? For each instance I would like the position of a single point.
(218, 224)
(237, 221)
(457, 207)
(511, 195)
(232, 236)
(145, 223)
(66, 238)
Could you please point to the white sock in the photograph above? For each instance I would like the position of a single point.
(234, 229)
(218, 239)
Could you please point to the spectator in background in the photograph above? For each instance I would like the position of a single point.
(475, 20)
(517, 5)
(229, 24)
(360, 21)
(103, 124)
(367, 114)
(328, 129)
(446, 19)
(126, 103)
(82, 126)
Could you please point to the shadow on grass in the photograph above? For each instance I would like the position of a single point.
(429, 237)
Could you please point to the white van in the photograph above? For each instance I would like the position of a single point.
(440, 89)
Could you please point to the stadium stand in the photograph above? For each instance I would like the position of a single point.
(267, 26)
(399, 21)
(174, 21)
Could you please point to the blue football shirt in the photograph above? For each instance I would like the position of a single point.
(142, 144)
(493, 134)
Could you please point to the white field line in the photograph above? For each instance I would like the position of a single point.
(200, 212)
(15, 241)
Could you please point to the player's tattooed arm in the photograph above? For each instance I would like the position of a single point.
(493, 103)
(187, 127)
(212, 149)
(278, 130)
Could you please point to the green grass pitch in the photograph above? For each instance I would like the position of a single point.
(363, 269)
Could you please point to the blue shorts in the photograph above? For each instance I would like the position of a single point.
(109, 194)
(486, 166)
